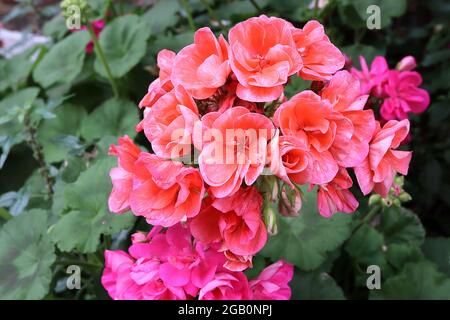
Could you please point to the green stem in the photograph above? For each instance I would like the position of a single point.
(188, 9)
(316, 8)
(38, 154)
(101, 56)
(372, 213)
(256, 5)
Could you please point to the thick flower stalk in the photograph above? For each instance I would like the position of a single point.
(218, 123)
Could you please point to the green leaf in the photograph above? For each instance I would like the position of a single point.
(26, 255)
(315, 285)
(88, 217)
(400, 225)
(417, 281)
(68, 121)
(305, 240)
(11, 130)
(366, 245)
(124, 43)
(400, 254)
(438, 251)
(14, 71)
(63, 62)
(55, 28)
(114, 117)
(162, 15)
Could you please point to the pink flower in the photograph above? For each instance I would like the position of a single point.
(290, 158)
(377, 171)
(404, 95)
(408, 63)
(233, 150)
(235, 222)
(273, 282)
(161, 85)
(321, 59)
(202, 67)
(262, 56)
(226, 286)
(372, 79)
(328, 133)
(169, 124)
(161, 266)
(343, 92)
(128, 279)
(122, 176)
(164, 191)
(335, 196)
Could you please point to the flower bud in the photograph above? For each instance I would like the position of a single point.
(290, 202)
(404, 197)
(270, 218)
(408, 63)
(374, 199)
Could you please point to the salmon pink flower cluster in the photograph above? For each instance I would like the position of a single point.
(218, 123)
(397, 88)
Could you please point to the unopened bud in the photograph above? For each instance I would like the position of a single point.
(399, 181)
(408, 63)
(290, 202)
(270, 218)
(374, 199)
(404, 197)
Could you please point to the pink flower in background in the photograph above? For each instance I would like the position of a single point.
(169, 124)
(122, 176)
(335, 196)
(403, 95)
(164, 191)
(321, 59)
(371, 79)
(262, 56)
(226, 286)
(202, 67)
(161, 85)
(377, 171)
(273, 282)
(398, 88)
(235, 222)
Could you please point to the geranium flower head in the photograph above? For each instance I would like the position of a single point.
(203, 66)
(377, 171)
(262, 56)
(169, 124)
(235, 222)
(321, 59)
(164, 191)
